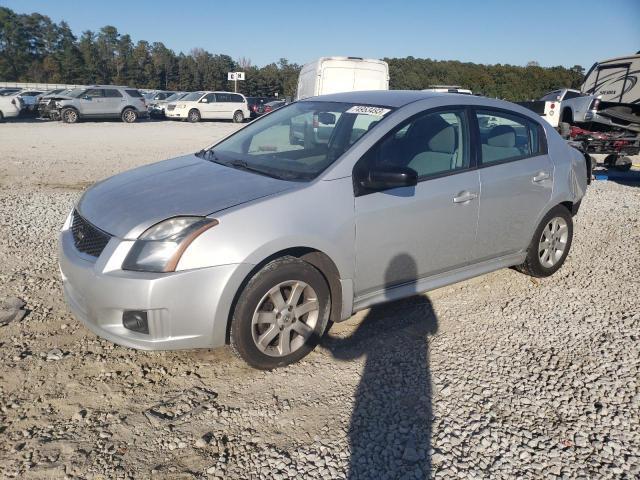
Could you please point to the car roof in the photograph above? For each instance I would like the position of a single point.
(387, 98)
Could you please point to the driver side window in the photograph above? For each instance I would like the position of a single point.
(432, 144)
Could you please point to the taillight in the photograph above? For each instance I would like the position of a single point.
(594, 104)
(267, 109)
(553, 105)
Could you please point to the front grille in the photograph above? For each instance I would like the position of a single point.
(171, 107)
(87, 238)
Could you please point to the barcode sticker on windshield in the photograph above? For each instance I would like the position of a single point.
(366, 110)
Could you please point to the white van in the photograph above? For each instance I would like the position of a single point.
(342, 74)
(209, 105)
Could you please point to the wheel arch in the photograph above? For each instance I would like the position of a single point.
(128, 106)
(320, 260)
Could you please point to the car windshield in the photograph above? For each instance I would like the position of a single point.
(74, 93)
(175, 96)
(193, 96)
(299, 141)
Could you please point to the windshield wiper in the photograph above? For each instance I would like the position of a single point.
(241, 164)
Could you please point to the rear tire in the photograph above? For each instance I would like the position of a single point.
(69, 115)
(129, 115)
(550, 244)
(194, 115)
(238, 117)
(623, 164)
(281, 314)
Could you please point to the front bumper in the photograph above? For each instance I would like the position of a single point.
(182, 113)
(185, 309)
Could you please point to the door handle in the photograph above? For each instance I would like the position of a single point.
(541, 176)
(464, 197)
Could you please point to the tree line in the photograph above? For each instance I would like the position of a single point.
(33, 48)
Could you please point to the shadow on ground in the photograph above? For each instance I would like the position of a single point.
(390, 430)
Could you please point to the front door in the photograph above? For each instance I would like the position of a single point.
(91, 102)
(407, 233)
(208, 106)
(516, 175)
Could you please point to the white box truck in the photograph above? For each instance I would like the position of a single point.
(342, 74)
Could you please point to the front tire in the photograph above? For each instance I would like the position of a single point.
(281, 314)
(550, 244)
(129, 115)
(194, 116)
(238, 117)
(69, 115)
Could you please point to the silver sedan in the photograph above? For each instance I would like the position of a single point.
(322, 208)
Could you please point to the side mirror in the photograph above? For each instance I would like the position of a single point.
(326, 118)
(204, 100)
(87, 97)
(383, 178)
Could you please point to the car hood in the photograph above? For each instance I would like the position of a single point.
(125, 205)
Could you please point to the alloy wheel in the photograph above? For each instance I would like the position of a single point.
(553, 242)
(285, 318)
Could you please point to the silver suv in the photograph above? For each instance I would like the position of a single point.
(102, 101)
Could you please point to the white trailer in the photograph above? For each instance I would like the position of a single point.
(342, 74)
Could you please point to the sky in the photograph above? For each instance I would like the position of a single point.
(567, 32)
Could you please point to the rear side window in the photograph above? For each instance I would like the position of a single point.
(134, 93)
(112, 93)
(223, 97)
(236, 98)
(505, 137)
(571, 95)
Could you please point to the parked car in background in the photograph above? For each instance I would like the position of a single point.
(10, 104)
(574, 107)
(197, 106)
(271, 106)
(47, 102)
(342, 74)
(9, 91)
(256, 105)
(102, 101)
(30, 99)
(158, 95)
(262, 243)
(157, 108)
(448, 89)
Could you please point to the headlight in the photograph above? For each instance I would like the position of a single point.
(160, 247)
(181, 105)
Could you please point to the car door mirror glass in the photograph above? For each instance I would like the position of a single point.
(204, 100)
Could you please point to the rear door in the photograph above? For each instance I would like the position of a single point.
(516, 180)
(113, 102)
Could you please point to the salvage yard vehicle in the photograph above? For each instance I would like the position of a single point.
(209, 105)
(10, 104)
(102, 101)
(260, 243)
(157, 108)
(342, 74)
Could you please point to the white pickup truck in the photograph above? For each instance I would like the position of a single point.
(574, 107)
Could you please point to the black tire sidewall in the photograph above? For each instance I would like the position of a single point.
(275, 272)
(534, 266)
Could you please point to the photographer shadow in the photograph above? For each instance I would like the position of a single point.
(390, 429)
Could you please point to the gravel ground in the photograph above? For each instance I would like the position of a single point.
(501, 376)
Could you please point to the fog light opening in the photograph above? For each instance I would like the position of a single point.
(136, 320)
